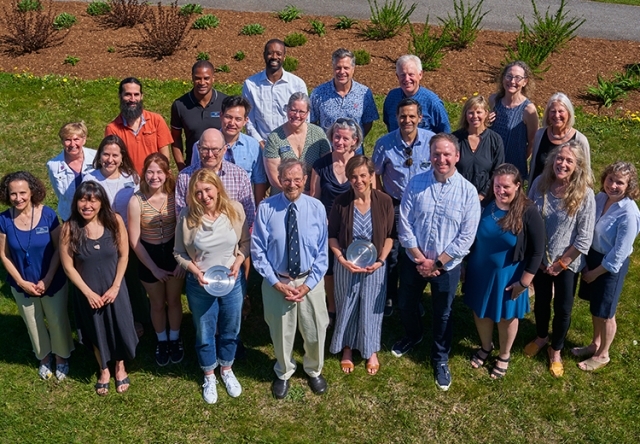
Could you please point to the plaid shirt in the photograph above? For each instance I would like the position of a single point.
(235, 181)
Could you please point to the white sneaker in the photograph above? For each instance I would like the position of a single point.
(231, 383)
(209, 390)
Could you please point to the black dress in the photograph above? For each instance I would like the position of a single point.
(110, 328)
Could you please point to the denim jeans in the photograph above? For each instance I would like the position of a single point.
(212, 314)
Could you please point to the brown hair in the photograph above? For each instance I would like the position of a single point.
(623, 169)
(357, 162)
(512, 221)
(528, 74)
(126, 166)
(161, 160)
(37, 188)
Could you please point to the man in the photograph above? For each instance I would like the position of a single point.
(142, 131)
(289, 250)
(409, 73)
(242, 150)
(439, 217)
(343, 96)
(268, 92)
(398, 156)
(194, 112)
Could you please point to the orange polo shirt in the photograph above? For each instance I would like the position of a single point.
(152, 135)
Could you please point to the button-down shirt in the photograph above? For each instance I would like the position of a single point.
(389, 158)
(615, 231)
(439, 217)
(235, 181)
(434, 116)
(268, 101)
(269, 238)
(63, 179)
(245, 153)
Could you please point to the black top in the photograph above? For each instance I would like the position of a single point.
(187, 114)
(329, 185)
(544, 149)
(477, 167)
(530, 241)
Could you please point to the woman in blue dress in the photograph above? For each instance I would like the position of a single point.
(507, 252)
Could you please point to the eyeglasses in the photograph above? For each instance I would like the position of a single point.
(297, 112)
(297, 181)
(518, 79)
(408, 152)
(207, 150)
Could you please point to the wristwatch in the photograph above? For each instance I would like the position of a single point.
(439, 264)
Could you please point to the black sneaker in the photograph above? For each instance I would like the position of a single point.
(442, 375)
(176, 350)
(403, 346)
(388, 308)
(162, 353)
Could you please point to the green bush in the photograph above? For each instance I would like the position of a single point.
(111, 49)
(253, 29)
(345, 22)
(318, 27)
(290, 64)
(608, 91)
(202, 55)
(388, 21)
(191, 8)
(30, 5)
(295, 39)
(464, 26)
(428, 46)
(289, 14)
(98, 8)
(223, 68)
(64, 21)
(207, 21)
(362, 57)
(71, 60)
(240, 55)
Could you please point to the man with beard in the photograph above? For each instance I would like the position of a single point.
(194, 112)
(142, 131)
(268, 92)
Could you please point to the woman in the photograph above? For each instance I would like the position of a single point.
(506, 254)
(564, 197)
(152, 225)
(94, 251)
(360, 293)
(558, 120)
(295, 139)
(481, 150)
(68, 168)
(211, 231)
(329, 179)
(617, 225)
(516, 120)
(29, 233)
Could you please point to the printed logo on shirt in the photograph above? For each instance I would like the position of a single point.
(42, 230)
(284, 149)
(129, 185)
(425, 164)
(215, 114)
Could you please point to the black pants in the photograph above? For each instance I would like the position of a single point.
(393, 259)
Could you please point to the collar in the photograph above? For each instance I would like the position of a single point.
(214, 97)
(142, 120)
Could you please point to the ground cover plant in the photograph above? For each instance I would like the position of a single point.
(363, 57)
(290, 64)
(294, 39)
(98, 8)
(71, 60)
(429, 45)
(345, 22)
(400, 404)
(190, 9)
(608, 91)
(207, 21)
(318, 27)
(64, 21)
(252, 29)
(389, 20)
(289, 14)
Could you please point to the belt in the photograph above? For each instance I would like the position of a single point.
(301, 275)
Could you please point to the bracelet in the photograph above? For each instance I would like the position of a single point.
(381, 261)
(564, 267)
(522, 285)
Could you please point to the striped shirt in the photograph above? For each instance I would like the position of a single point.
(156, 225)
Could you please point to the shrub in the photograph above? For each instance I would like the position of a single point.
(202, 55)
(606, 92)
(240, 55)
(388, 21)
(71, 60)
(98, 8)
(463, 28)
(191, 8)
(223, 68)
(29, 31)
(295, 39)
(30, 5)
(318, 27)
(362, 57)
(252, 29)
(207, 21)
(64, 21)
(345, 22)
(289, 14)
(165, 33)
(428, 46)
(126, 13)
(290, 64)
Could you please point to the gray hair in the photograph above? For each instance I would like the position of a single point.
(342, 53)
(299, 97)
(562, 99)
(350, 124)
(409, 58)
(289, 163)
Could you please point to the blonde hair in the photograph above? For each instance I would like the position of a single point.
(473, 103)
(196, 209)
(73, 129)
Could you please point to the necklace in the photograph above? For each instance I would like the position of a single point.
(493, 209)
(27, 257)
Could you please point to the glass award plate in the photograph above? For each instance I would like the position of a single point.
(362, 253)
(219, 281)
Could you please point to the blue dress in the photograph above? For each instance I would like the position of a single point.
(329, 185)
(490, 269)
(510, 126)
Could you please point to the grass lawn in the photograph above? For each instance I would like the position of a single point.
(400, 404)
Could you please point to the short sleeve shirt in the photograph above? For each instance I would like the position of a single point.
(327, 105)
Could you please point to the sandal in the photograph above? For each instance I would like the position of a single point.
(555, 368)
(372, 369)
(592, 364)
(478, 361)
(104, 386)
(347, 366)
(497, 372)
(532, 348)
(582, 352)
(121, 382)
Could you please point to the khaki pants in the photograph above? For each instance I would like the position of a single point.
(34, 310)
(284, 318)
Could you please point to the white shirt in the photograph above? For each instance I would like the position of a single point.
(62, 179)
(215, 243)
(119, 191)
(268, 101)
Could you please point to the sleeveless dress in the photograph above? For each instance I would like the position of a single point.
(511, 127)
(490, 269)
(110, 328)
(330, 187)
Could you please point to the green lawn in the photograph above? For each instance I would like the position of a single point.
(400, 404)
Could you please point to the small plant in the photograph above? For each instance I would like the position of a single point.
(345, 22)
(29, 31)
(165, 33)
(191, 8)
(290, 64)
(289, 14)
(207, 21)
(98, 8)
(71, 60)
(223, 68)
(463, 28)
(362, 57)
(252, 29)
(295, 39)
(29, 5)
(388, 21)
(240, 55)
(111, 49)
(64, 21)
(126, 13)
(202, 55)
(606, 92)
(318, 27)
(428, 46)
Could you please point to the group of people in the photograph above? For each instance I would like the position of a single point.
(433, 207)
